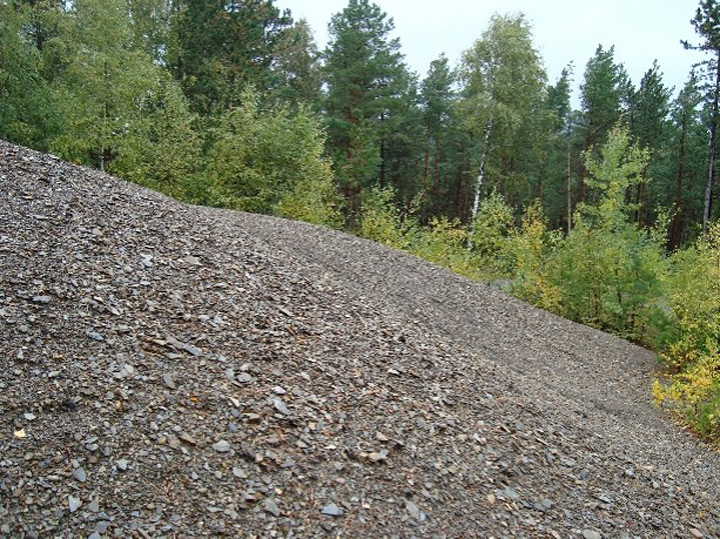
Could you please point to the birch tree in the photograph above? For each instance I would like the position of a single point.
(504, 88)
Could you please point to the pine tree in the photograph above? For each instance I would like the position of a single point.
(602, 94)
(220, 47)
(437, 99)
(650, 128)
(689, 154)
(368, 87)
(707, 25)
(558, 172)
(296, 66)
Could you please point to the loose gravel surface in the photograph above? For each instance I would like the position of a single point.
(174, 371)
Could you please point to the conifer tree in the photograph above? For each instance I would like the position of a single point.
(220, 47)
(558, 172)
(602, 94)
(707, 25)
(368, 85)
(650, 128)
(689, 154)
(296, 66)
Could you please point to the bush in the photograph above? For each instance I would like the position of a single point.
(693, 356)
(381, 221)
(445, 243)
(271, 161)
(609, 272)
(531, 248)
(490, 235)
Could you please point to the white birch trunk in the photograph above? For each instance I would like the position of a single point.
(481, 174)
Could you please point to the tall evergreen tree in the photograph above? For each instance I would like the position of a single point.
(558, 171)
(602, 94)
(707, 25)
(368, 87)
(437, 97)
(296, 66)
(689, 153)
(650, 128)
(222, 46)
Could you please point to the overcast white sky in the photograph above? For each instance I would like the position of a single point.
(564, 30)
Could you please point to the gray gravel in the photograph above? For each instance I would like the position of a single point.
(173, 371)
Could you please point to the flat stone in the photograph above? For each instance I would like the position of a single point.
(280, 406)
(74, 503)
(222, 446)
(169, 380)
(80, 475)
(332, 510)
(95, 336)
(414, 511)
(271, 507)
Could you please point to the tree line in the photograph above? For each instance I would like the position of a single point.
(602, 214)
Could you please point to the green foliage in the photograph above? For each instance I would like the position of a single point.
(503, 106)
(531, 248)
(609, 272)
(693, 356)
(373, 134)
(165, 150)
(296, 66)
(490, 235)
(381, 221)
(220, 47)
(444, 242)
(602, 95)
(27, 105)
(270, 160)
(103, 87)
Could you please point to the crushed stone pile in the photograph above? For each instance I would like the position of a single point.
(176, 371)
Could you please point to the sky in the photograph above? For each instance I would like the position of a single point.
(563, 30)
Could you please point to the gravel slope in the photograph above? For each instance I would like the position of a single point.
(173, 371)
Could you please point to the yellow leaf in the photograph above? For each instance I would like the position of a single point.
(20, 433)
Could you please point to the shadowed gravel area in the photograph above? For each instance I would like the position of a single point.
(175, 371)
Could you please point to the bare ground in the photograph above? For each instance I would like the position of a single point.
(174, 371)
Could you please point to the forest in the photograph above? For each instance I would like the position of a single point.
(605, 215)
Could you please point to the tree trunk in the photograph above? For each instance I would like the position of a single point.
(569, 189)
(436, 177)
(675, 229)
(711, 151)
(481, 174)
